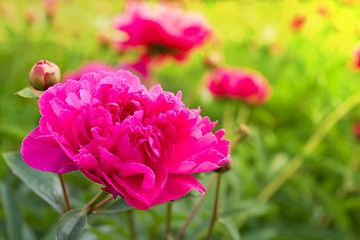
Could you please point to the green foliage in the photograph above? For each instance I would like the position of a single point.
(71, 225)
(27, 93)
(12, 213)
(46, 185)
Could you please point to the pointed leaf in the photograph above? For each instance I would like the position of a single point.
(28, 93)
(231, 227)
(12, 214)
(44, 184)
(71, 225)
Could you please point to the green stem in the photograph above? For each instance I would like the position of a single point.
(103, 202)
(310, 145)
(215, 209)
(130, 214)
(168, 221)
(94, 201)
(196, 208)
(65, 191)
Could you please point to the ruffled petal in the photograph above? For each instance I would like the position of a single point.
(178, 185)
(44, 153)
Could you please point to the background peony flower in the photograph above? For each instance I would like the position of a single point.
(162, 29)
(89, 67)
(50, 7)
(355, 62)
(142, 144)
(240, 83)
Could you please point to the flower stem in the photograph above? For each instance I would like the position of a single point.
(130, 214)
(168, 221)
(94, 201)
(65, 191)
(101, 203)
(310, 145)
(215, 208)
(196, 208)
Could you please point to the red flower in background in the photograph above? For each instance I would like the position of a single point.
(161, 29)
(239, 83)
(323, 10)
(356, 130)
(355, 62)
(298, 22)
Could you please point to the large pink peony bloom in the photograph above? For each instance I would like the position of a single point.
(162, 29)
(240, 83)
(142, 144)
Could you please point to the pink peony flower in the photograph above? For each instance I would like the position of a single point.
(240, 83)
(89, 67)
(138, 143)
(162, 30)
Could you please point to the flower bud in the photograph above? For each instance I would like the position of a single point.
(44, 74)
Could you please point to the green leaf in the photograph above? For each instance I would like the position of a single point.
(247, 209)
(12, 214)
(44, 184)
(27, 93)
(231, 227)
(71, 225)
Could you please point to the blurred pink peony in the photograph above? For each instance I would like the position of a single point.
(95, 66)
(355, 61)
(138, 143)
(161, 29)
(240, 83)
(50, 7)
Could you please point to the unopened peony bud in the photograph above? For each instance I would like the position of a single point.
(44, 74)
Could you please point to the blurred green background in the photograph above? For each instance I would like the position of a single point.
(307, 68)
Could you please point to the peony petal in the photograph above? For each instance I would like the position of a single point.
(178, 185)
(44, 153)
